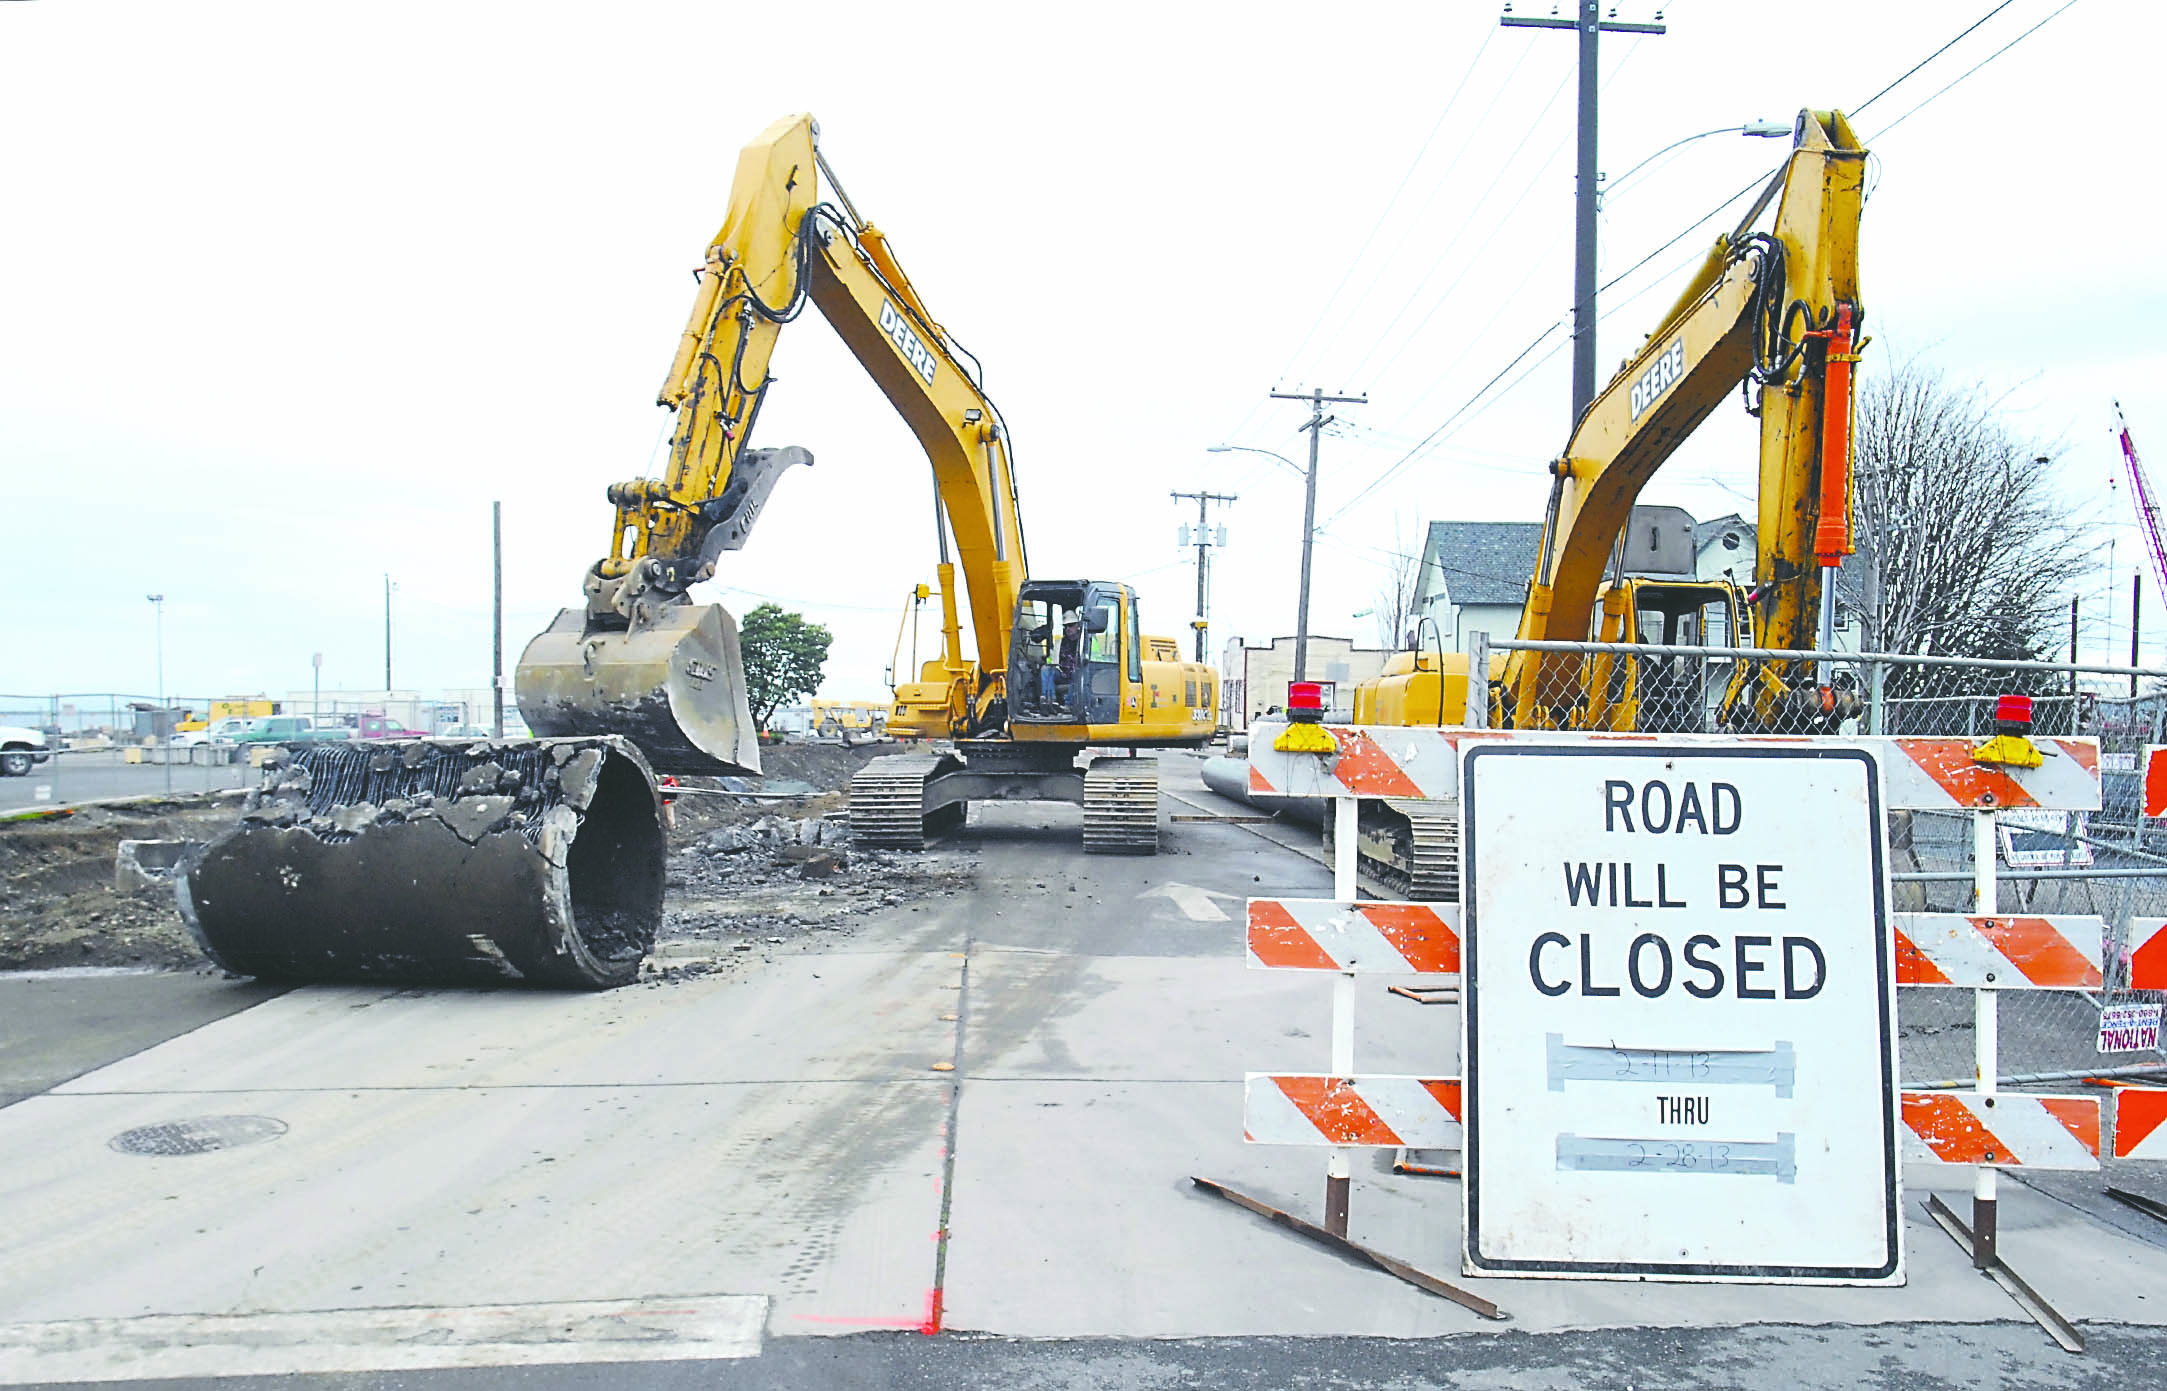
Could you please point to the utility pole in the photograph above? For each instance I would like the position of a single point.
(1203, 556)
(1589, 23)
(496, 579)
(1317, 421)
(160, 728)
(387, 635)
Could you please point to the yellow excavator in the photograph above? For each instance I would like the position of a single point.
(540, 860)
(1778, 313)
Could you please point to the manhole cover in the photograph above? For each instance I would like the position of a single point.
(197, 1135)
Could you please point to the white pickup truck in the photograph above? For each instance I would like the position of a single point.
(20, 749)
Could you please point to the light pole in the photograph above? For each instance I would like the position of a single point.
(388, 587)
(1309, 531)
(158, 721)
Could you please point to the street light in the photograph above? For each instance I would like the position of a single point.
(1252, 449)
(1309, 532)
(1764, 130)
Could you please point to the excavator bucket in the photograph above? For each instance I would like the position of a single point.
(438, 862)
(675, 687)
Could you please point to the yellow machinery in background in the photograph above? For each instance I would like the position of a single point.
(1780, 312)
(927, 705)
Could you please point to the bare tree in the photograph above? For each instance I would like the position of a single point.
(1394, 605)
(1965, 546)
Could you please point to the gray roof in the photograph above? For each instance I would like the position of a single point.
(1482, 562)
(1704, 532)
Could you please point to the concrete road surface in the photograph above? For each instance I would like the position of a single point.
(86, 777)
(979, 1114)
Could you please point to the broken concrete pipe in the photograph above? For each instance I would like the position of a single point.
(427, 862)
(148, 865)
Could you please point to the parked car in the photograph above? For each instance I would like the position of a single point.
(282, 729)
(381, 727)
(463, 731)
(21, 749)
(225, 731)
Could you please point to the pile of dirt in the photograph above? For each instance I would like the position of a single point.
(703, 804)
(58, 904)
(773, 879)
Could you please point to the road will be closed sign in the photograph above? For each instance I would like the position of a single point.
(1679, 1007)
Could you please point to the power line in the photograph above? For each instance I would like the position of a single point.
(1974, 68)
(1504, 167)
(1758, 182)
(1392, 202)
(1930, 58)
(1471, 341)
(1324, 312)
(1378, 276)
(1404, 459)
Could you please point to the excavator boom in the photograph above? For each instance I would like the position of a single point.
(640, 660)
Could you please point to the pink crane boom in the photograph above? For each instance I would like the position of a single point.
(2147, 509)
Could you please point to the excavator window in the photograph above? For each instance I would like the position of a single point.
(1100, 645)
(1670, 689)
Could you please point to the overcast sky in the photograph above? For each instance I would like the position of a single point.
(289, 292)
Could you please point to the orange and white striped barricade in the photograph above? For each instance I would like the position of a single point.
(2133, 1026)
(2154, 768)
(2147, 948)
(1919, 774)
(1343, 1109)
(1349, 937)
(1311, 1109)
(1999, 953)
(2022, 1130)
(1990, 953)
(1320, 934)
(2140, 1123)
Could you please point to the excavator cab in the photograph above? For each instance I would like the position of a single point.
(1666, 693)
(1066, 652)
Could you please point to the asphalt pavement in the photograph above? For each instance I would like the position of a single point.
(978, 1114)
(98, 774)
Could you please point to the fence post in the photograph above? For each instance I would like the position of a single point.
(1338, 1165)
(1478, 681)
(1876, 693)
(1986, 1042)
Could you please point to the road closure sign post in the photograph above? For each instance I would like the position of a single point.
(1679, 1013)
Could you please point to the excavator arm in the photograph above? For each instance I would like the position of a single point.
(641, 659)
(1778, 311)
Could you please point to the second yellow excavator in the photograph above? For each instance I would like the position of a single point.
(1778, 312)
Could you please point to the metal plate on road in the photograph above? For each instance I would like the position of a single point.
(1679, 1014)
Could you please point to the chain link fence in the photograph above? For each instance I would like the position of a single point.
(2110, 864)
(111, 717)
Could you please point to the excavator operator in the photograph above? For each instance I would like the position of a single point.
(1057, 677)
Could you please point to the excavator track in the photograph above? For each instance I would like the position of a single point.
(887, 800)
(1121, 807)
(1431, 847)
(1410, 846)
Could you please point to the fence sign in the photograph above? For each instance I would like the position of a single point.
(1679, 1003)
(2128, 1028)
(2032, 838)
